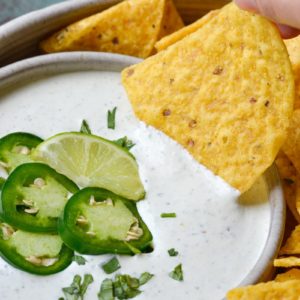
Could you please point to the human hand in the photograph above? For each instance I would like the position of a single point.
(285, 13)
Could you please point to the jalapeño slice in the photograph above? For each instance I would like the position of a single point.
(16, 148)
(33, 197)
(37, 253)
(97, 221)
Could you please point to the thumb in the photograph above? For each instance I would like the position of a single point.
(280, 11)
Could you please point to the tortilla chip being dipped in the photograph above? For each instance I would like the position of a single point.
(228, 100)
(288, 290)
(290, 182)
(171, 39)
(126, 28)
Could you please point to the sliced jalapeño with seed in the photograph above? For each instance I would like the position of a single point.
(97, 221)
(37, 253)
(16, 148)
(33, 197)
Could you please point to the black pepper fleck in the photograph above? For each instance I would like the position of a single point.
(166, 112)
(280, 77)
(190, 142)
(130, 72)
(115, 41)
(218, 70)
(192, 123)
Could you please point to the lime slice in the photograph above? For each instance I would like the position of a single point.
(91, 161)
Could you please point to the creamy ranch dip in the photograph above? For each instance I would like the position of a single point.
(218, 235)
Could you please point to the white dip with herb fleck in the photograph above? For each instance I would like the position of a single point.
(218, 236)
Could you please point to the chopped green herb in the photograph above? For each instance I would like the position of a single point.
(106, 290)
(79, 260)
(168, 215)
(87, 280)
(76, 290)
(85, 128)
(132, 248)
(111, 118)
(2, 181)
(125, 143)
(126, 287)
(145, 277)
(177, 273)
(122, 287)
(111, 266)
(172, 252)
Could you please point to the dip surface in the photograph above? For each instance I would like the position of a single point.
(218, 235)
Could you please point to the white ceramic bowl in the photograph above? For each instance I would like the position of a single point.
(55, 63)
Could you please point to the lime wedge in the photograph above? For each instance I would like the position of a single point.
(91, 161)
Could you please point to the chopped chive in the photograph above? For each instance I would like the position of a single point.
(111, 266)
(106, 290)
(145, 277)
(133, 249)
(79, 260)
(168, 215)
(177, 273)
(111, 118)
(85, 128)
(172, 252)
(124, 142)
(2, 181)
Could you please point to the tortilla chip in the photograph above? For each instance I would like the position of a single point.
(289, 275)
(291, 146)
(288, 290)
(291, 184)
(228, 100)
(293, 47)
(292, 245)
(172, 21)
(169, 40)
(126, 28)
(287, 262)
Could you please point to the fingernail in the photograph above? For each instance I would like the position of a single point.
(247, 4)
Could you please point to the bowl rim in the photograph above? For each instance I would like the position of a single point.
(19, 37)
(12, 73)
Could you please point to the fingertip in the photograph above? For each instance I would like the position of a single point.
(287, 32)
(247, 4)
